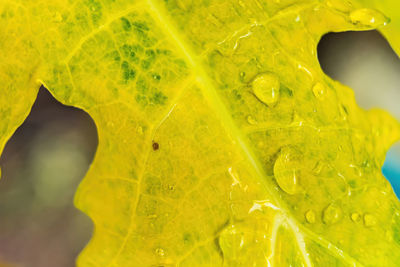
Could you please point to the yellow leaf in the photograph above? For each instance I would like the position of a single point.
(221, 141)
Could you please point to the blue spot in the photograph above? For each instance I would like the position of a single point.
(391, 168)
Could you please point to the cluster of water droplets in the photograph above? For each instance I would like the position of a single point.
(287, 168)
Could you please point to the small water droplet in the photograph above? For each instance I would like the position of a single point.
(156, 77)
(369, 220)
(319, 90)
(368, 18)
(231, 241)
(242, 74)
(266, 88)
(331, 214)
(355, 217)
(251, 120)
(286, 170)
(160, 252)
(310, 216)
(357, 170)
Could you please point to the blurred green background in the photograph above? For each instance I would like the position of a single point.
(50, 153)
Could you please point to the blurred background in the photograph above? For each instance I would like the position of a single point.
(42, 165)
(366, 62)
(50, 153)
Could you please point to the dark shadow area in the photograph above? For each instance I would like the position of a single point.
(42, 165)
(366, 62)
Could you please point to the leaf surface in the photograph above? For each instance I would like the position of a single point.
(221, 141)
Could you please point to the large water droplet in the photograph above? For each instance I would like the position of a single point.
(266, 88)
(319, 90)
(369, 220)
(287, 170)
(368, 18)
(310, 216)
(332, 214)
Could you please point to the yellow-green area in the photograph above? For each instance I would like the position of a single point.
(221, 141)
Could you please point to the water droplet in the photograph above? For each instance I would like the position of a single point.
(160, 252)
(156, 77)
(357, 170)
(355, 217)
(310, 216)
(251, 120)
(368, 18)
(266, 88)
(286, 170)
(331, 214)
(369, 220)
(231, 241)
(319, 90)
(340, 5)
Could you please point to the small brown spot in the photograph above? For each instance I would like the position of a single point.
(156, 146)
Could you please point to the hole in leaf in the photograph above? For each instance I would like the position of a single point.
(42, 165)
(366, 62)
